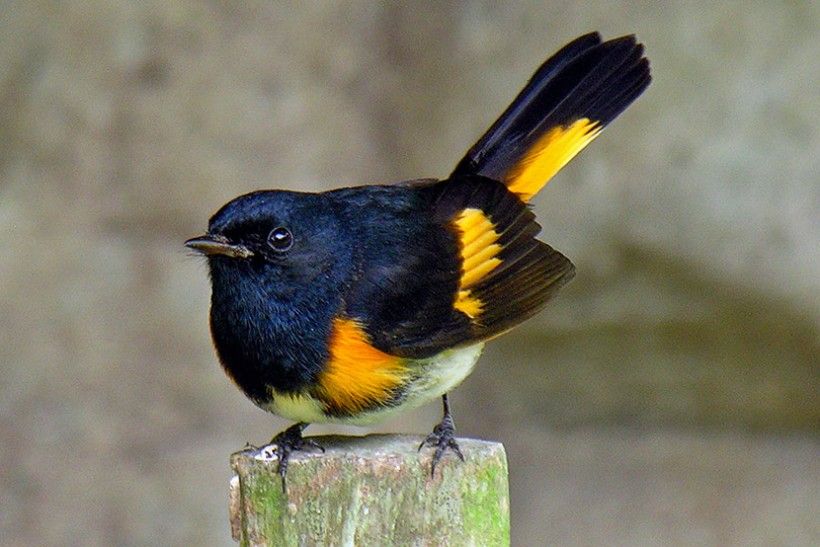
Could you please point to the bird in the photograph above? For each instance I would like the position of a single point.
(351, 305)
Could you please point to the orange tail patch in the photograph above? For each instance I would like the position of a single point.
(357, 376)
(548, 155)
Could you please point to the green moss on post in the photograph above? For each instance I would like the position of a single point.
(373, 490)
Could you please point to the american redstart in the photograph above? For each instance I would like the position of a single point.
(351, 305)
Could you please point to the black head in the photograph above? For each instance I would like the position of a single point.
(279, 262)
(282, 243)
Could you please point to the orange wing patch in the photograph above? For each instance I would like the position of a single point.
(478, 257)
(548, 155)
(357, 376)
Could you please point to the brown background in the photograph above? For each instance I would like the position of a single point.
(669, 395)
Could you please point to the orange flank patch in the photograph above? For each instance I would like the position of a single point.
(548, 155)
(358, 376)
(478, 257)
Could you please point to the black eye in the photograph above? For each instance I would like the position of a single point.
(280, 239)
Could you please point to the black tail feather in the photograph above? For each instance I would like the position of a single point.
(586, 79)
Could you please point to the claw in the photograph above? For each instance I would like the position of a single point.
(310, 443)
(442, 438)
(283, 444)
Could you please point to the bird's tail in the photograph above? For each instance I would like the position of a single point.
(565, 105)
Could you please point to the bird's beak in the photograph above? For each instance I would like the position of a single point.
(218, 245)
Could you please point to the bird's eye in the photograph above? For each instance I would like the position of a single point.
(280, 239)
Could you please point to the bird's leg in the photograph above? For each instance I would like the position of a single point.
(289, 440)
(443, 437)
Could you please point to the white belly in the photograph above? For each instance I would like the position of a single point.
(434, 377)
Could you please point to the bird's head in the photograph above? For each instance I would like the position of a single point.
(274, 243)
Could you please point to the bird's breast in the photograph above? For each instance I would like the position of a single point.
(264, 345)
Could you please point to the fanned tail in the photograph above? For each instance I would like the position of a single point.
(566, 104)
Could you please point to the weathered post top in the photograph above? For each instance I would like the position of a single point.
(373, 490)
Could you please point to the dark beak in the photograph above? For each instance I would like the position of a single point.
(218, 245)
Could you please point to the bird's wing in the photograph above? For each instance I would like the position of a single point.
(460, 265)
(565, 105)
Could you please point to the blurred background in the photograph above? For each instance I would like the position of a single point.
(669, 395)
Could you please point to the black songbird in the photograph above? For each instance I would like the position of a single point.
(351, 305)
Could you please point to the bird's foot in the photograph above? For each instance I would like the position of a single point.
(443, 438)
(281, 446)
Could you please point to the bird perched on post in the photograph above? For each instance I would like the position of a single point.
(351, 305)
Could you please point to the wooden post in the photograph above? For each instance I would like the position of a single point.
(373, 490)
